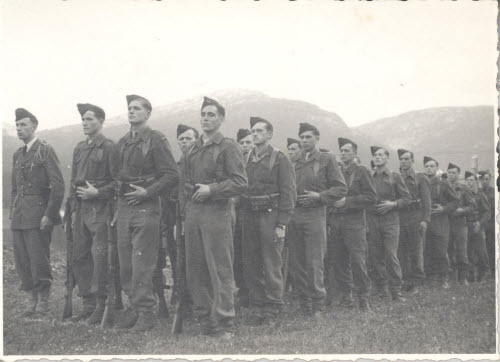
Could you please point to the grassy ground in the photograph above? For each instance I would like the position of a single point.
(459, 320)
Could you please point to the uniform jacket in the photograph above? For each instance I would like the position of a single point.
(465, 200)
(419, 189)
(443, 194)
(37, 187)
(481, 212)
(280, 180)
(490, 195)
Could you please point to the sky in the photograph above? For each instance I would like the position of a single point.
(362, 60)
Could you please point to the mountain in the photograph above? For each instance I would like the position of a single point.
(448, 134)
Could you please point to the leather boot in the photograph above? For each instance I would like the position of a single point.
(397, 296)
(96, 316)
(43, 305)
(347, 301)
(31, 309)
(127, 319)
(364, 304)
(89, 304)
(145, 322)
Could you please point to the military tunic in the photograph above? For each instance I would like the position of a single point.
(477, 246)
(219, 164)
(490, 228)
(145, 161)
(37, 191)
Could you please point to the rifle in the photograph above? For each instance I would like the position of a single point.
(158, 277)
(286, 262)
(181, 272)
(70, 280)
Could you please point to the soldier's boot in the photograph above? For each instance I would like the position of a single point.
(462, 277)
(89, 304)
(118, 303)
(364, 304)
(31, 309)
(256, 316)
(481, 275)
(43, 306)
(397, 296)
(305, 308)
(243, 300)
(127, 319)
(145, 322)
(346, 301)
(97, 314)
(382, 293)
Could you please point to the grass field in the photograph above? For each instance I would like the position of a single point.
(459, 320)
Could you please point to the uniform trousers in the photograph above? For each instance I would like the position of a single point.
(436, 261)
(477, 252)
(457, 247)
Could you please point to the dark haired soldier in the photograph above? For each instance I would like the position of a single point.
(37, 194)
(457, 247)
(476, 221)
(92, 188)
(214, 171)
(444, 200)
(347, 246)
(383, 225)
(413, 219)
(489, 228)
(146, 170)
(244, 139)
(319, 183)
(294, 149)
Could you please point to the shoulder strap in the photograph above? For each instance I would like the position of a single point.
(145, 147)
(274, 157)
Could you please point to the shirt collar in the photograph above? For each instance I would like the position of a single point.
(142, 133)
(313, 155)
(98, 140)
(384, 170)
(256, 158)
(409, 173)
(30, 143)
(217, 138)
(349, 168)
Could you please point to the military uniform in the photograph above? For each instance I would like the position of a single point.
(477, 247)
(347, 245)
(93, 161)
(307, 229)
(37, 191)
(383, 231)
(411, 239)
(268, 203)
(209, 228)
(489, 228)
(146, 161)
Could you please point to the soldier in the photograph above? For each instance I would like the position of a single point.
(476, 222)
(413, 219)
(485, 178)
(457, 247)
(146, 169)
(266, 209)
(214, 172)
(244, 138)
(383, 226)
(91, 189)
(37, 194)
(444, 200)
(347, 246)
(294, 149)
(319, 182)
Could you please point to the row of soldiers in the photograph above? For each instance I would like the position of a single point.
(240, 202)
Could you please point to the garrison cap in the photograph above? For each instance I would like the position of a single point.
(291, 141)
(468, 174)
(134, 97)
(374, 149)
(427, 159)
(402, 151)
(444, 176)
(23, 113)
(242, 133)
(181, 128)
(254, 120)
(452, 165)
(212, 102)
(483, 173)
(344, 141)
(84, 107)
(304, 127)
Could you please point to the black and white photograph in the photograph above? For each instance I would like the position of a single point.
(247, 179)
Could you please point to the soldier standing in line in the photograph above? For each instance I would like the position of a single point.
(457, 247)
(92, 187)
(266, 209)
(444, 200)
(146, 170)
(319, 182)
(347, 246)
(476, 221)
(37, 195)
(294, 149)
(413, 219)
(214, 172)
(485, 178)
(244, 138)
(383, 226)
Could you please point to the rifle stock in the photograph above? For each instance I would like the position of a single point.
(70, 282)
(181, 273)
(109, 309)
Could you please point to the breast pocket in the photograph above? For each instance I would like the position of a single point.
(136, 159)
(355, 186)
(96, 160)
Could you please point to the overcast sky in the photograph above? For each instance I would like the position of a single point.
(361, 60)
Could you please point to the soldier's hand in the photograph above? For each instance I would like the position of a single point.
(279, 233)
(137, 196)
(202, 193)
(45, 223)
(339, 203)
(423, 227)
(386, 206)
(87, 193)
(437, 209)
(308, 198)
(459, 211)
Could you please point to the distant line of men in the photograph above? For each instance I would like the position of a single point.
(240, 203)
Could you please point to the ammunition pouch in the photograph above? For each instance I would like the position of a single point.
(260, 203)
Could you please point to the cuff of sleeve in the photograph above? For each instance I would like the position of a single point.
(399, 204)
(323, 198)
(152, 191)
(213, 189)
(283, 218)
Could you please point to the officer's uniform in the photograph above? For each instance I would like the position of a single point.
(93, 162)
(268, 203)
(209, 228)
(146, 161)
(347, 245)
(477, 247)
(383, 231)
(411, 239)
(37, 191)
(436, 261)
(307, 229)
